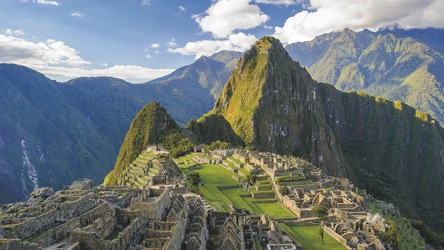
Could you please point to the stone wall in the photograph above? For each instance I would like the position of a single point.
(227, 187)
(263, 187)
(237, 178)
(263, 195)
(335, 236)
(15, 244)
(92, 241)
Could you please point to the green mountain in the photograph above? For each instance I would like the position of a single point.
(388, 148)
(44, 141)
(398, 65)
(52, 133)
(146, 129)
(270, 101)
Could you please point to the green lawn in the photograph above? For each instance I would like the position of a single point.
(309, 237)
(214, 175)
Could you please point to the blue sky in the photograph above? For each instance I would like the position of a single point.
(139, 40)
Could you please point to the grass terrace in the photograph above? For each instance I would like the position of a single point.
(309, 237)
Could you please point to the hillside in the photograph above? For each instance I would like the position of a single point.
(271, 102)
(44, 141)
(152, 125)
(75, 129)
(395, 64)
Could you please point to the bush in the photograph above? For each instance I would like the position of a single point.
(283, 191)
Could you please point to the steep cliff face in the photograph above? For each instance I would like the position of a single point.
(392, 150)
(271, 102)
(152, 121)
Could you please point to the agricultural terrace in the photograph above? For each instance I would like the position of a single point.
(309, 237)
(215, 176)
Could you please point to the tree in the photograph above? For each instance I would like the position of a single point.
(251, 178)
(321, 233)
(322, 213)
(283, 190)
(194, 178)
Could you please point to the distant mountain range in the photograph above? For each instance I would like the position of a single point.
(52, 133)
(400, 65)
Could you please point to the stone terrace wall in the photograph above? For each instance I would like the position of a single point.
(335, 236)
(15, 244)
(92, 241)
(263, 195)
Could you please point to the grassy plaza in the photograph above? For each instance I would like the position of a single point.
(309, 237)
(215, 176)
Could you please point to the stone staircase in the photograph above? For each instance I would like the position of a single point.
(140, 171)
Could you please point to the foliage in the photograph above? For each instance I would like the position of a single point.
(435, 239)
(218, 145)
(176, 143)
(194, 178)
(283, 190)
(321, 212)
(391, 236)
(251, 178)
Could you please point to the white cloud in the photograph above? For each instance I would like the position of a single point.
(237, 42)
(134, 74)
(155, 45)
(61, 62)
(268, 27)
(171, 43)
(77, 14)
(327, 15)
(46, 2)
(277, 2)
(181, 8)
(14, 32)
(226, 16)
(21, 51)
(146, 2)
(148, 56)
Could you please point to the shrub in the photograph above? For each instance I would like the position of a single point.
(283, 191)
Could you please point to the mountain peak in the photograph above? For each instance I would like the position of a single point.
(270, 100)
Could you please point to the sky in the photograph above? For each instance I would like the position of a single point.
(140, 40)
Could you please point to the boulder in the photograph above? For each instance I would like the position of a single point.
(43, 192)
(82, 184)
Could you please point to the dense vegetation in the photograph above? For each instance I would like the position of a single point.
(398, 65)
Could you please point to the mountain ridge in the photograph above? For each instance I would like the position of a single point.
(395, 64)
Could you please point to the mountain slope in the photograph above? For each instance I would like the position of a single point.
(388, 148)
(270, 101)
(150, 123)
(399, 65)
(44, 141)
